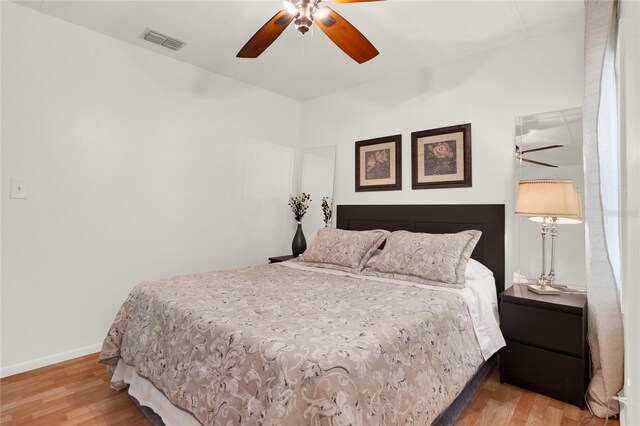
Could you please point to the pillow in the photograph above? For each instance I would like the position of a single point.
(476, 270)
(373, 259)
(343, 250)
(434, 259)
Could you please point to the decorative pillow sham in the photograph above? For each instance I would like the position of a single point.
(343, 250)
(434, 259)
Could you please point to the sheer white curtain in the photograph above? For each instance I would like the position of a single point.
(605, 334)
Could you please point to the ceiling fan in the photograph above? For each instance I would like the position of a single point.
(520, 152)
(304, 13)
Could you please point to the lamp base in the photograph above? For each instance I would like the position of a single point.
(538, 289)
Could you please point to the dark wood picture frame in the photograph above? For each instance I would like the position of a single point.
(388, 169)
(449, 150)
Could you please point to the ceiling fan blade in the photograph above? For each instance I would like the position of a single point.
(266, 35)
(352, 1)
(541, 149)
(346, 37)
(538, 163)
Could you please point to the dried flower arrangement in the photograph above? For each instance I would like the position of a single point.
(299, 204)
(327, 210)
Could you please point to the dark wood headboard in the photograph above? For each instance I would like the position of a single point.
(437, 219)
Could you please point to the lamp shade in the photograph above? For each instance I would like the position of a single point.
(548, 198)
(567, 220)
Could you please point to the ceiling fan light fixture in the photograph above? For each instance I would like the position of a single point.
(322, 12)
(290, 7)
(304, 18)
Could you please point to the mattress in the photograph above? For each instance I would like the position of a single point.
(287, 344)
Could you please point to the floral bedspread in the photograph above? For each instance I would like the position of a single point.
(279, 346)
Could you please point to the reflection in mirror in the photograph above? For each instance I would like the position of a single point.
(549, 146)
(317, 179)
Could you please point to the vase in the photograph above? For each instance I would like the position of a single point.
(299, 244)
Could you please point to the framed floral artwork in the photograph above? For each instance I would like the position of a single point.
(441, 158)
(378, 164)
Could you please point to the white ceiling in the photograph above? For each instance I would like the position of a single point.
(409, 35)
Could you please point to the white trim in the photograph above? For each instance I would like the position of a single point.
(48, 360)
(629, 107)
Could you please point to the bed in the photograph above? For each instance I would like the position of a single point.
(295, 344)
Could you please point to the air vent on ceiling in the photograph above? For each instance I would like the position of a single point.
(162, 40)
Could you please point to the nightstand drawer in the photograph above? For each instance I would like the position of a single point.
(556, 375)
(558, 331)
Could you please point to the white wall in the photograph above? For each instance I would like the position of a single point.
(629, 99)
(487, 90)
(138, 167)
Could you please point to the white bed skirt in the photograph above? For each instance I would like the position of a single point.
(147, 395)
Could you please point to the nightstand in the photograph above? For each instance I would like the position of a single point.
(278, 259)
(546, 348)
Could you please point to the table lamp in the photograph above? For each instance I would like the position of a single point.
(553, 201)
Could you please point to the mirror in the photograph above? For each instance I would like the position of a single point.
(318, 166)
(549, 146)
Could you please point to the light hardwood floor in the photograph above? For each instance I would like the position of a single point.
(77, 392)
(498, 403)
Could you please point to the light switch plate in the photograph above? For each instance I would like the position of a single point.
(18, 189)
